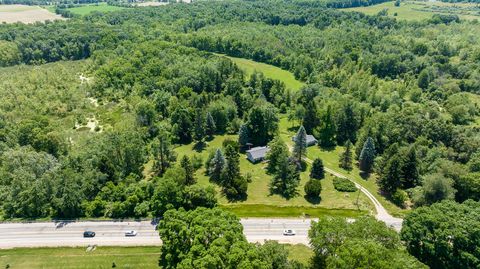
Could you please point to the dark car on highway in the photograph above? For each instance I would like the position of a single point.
(88, 234)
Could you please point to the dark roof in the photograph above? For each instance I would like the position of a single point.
(258, 152)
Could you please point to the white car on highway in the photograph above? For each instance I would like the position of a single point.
(131, 233)
(288, 232)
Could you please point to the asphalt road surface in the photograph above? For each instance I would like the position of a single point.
(109, 233)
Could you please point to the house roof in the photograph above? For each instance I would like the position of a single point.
(258, 152)
(310, 139)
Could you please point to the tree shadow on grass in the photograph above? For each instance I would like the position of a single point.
(364, 175)
(327, 148)
(199, 146)
(313, 200)
(236, 198)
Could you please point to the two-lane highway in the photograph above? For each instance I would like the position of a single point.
(110, 233)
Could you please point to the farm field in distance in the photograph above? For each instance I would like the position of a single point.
(418, 10)
(26, 14)
(100, 7)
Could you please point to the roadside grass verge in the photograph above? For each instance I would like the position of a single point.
(271, 211)
(103, 257)
(300, 253)
(79, 258)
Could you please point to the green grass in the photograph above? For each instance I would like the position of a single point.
(100, 7)
(300, 253)
(103, 257)
(418, 10)
(78, 258)
(272, 211)
(330, 159)
(260, 203)
(269, 71)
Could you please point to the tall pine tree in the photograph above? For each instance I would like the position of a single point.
(367, 156)
(187, 166)
(199, 133)
(210, 127)
(326, 132)
(243, 138)
(278, 151)
(410, 175)
(317, 171)
(300, 147)
(390, 180)
(346, 124)
(217, 164)
(162, 151)
(233, 183)
(286, 179)
(346, 157)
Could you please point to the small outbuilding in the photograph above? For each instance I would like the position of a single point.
(311, 140)
(257, 154)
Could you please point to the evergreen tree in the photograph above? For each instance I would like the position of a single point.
(210, 127)
(243, 136)
(278, 151)
(313, 188)
(390, 180)
(317, 171)
(187, 166)
(310, 116)
(199, 133)
(346, 124)
(234, 185)
(367, 156)
(300, 147)
(410, 175)
(326, 132)
(346, 157)
(217, 164)
(286, 179)
(162, 152)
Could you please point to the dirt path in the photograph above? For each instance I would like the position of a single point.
(382, 213)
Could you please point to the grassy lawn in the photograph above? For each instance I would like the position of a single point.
(260, 203)
(269, 71)
(417, 10)
(299, 253)
(101, 7)
(330, 159)
(79, 258)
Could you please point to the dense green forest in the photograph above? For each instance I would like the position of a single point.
(93, 107)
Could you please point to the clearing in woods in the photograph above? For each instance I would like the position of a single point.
(26, 14)
(417, 10)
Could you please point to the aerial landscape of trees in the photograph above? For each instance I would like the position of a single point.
(95, 108)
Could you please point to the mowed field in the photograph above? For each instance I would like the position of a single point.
(102, 257)
(418, 10)
(100, 7)
(269, 71)
(26, 14)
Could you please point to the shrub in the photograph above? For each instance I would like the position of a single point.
(399, 197)
(344, 185)
(313, 188)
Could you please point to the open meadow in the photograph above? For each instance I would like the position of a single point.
(419, 10)
(26, 14)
